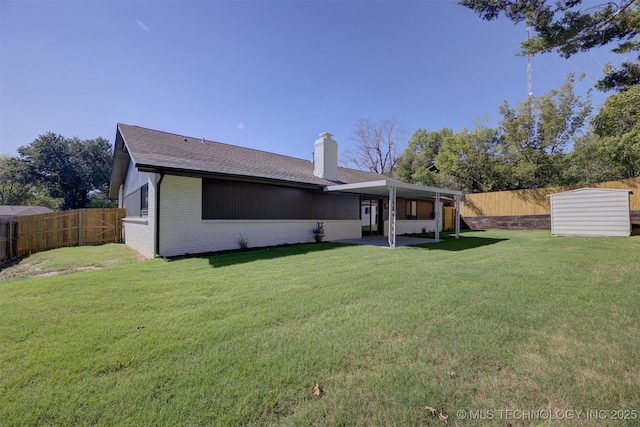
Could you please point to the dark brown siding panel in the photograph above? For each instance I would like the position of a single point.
(425, 209)
(401, 208)
(239, 200)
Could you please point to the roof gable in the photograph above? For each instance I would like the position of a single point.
(152, 150)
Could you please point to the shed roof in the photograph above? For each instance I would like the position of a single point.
(590, 189)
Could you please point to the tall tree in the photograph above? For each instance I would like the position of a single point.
(469, 159)
(15, 188)
(618, 126)
(587, 162)
(569, 27)
(537, 133)
(68, 168)
(627, 75)
(417, 163)
(376, 145)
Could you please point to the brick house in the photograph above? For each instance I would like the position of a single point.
(187, 195)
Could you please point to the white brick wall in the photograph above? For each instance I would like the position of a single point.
(183, 231)
(414, 226)
(409, 226)
(139, 232)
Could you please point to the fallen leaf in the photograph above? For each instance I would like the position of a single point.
(432, 411)
(437, 412)
(317, 391)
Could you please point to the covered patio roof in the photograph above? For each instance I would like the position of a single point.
(381, 188)
(393, 189)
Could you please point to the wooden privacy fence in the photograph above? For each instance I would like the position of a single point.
(8, 240)
(449, 218)
(535, 202)
(77, 227)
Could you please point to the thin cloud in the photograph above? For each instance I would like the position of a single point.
(141, 25)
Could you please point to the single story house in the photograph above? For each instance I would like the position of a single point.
(187, 195)
(11, 212)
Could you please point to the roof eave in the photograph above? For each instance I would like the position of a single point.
(119, 166)
(228, 177)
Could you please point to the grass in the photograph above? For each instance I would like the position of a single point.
(495, 321)
(70, 259)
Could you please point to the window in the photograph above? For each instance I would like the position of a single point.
(144, 200)
(411, 209)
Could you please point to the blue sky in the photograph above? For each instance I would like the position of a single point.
(270, 75)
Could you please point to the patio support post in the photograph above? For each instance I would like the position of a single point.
(437, 218)
(457, 216)
(392, 217)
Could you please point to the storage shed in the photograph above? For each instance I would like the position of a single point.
(590, 212)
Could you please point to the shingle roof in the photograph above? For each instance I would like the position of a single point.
(7, 211)
(156, 149)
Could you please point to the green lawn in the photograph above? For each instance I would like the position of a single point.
(497, 321)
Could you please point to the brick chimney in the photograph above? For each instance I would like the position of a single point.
(325, 157)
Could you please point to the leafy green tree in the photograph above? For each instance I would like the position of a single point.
(618, 126)
(468, 159)
(587, 163)
(68, 168)
(627, 75)
(417, 163)
(537, 133)
(100, 200)
(569, 27)
(39, 196)
(15, 188)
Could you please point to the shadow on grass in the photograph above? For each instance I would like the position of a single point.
(461, 244)
(224, 259)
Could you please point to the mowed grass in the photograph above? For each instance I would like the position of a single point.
(496, 321)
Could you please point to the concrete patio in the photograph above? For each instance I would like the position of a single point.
(384, 242)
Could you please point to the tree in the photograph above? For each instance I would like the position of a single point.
(417, 163)
(375, 145)
(15, 188)
(627, 75)
(536, 134)
(618, 126)
(587, 163)
(68, 168)
(469, 159)
(567, 27)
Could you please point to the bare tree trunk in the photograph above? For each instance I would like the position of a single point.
(375, 145)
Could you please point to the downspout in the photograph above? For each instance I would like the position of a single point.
(157, 244)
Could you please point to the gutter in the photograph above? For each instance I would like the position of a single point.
(157, 233)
